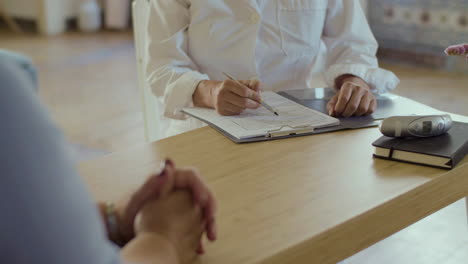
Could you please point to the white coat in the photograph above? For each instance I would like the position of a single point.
(282, 43)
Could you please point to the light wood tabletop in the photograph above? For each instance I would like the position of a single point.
(313, 199)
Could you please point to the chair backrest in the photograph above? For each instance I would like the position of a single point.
(140, 12)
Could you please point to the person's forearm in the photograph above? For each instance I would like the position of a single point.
(148, 249)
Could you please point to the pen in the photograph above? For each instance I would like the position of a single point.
(262, 102)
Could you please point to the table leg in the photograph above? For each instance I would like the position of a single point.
(51, 18)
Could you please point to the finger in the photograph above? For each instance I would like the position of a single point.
(148, 191)
(230, 109)
(168, 173)
(242, 90)
(168, 187)
(343, 98)
(243, 103)
(225, 112)
(354, 102)
(197, 231)
(170, 162)
(225, 108)
(201, 245)
(365, 104)
(255, 85)
(373, 106)
(201, 248)
(252, 84)
(331, 105)
(211, 229)
(190, 179)
(209, 214)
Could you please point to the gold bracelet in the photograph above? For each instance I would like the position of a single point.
(112, 224)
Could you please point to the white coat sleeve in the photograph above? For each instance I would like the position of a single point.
(352, 48)
(171, 74)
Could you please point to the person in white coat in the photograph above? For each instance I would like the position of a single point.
(273, 44)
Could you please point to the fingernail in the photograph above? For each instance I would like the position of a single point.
(163, 173)
(211, 235)
(169, 162)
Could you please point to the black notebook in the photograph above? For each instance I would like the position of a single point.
(444, 151)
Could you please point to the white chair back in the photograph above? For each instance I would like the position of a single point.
(140, 12)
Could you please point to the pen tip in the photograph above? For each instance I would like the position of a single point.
(276, 113)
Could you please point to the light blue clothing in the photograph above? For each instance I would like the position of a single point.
(47, 214)
(23, 63)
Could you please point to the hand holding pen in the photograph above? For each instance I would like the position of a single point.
(261, 101)
(228, 97)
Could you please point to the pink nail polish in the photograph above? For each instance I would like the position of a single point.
(163, 173)
(169, 162)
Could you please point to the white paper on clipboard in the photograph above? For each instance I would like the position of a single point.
(293, 119)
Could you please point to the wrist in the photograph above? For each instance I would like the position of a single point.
(142, 249)
(349, 78)
(203, 95)
(112, 221)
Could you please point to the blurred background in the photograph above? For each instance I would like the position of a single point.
(85, 54)
(84, 50)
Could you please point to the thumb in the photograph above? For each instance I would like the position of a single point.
(331, 105)
(170, 171)
(148, 191)
(255, 85)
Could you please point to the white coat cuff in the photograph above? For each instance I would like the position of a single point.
(380, 80)
(179, 94)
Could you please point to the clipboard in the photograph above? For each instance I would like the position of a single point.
(273, 134)
(299, 132)
(259, 125)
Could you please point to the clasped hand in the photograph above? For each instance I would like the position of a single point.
(174, 204)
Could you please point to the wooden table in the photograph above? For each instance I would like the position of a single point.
(314, 199)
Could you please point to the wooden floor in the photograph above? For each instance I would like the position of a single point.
(89, 83)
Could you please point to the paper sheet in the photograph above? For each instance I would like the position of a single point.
(255, 123)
